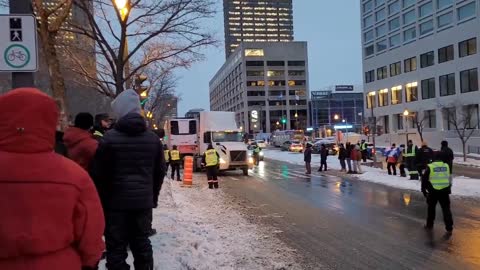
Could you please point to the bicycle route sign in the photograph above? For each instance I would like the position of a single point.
(18, 43)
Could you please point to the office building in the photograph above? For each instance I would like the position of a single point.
(421, 57)
(257, 21)
(340, 106)
(266, 84)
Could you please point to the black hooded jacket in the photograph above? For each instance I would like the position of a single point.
(129, 166)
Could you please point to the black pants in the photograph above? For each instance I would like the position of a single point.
(421, 169)
(323, 165)
(444, 199)
(166, 167)
(212, 172)
(128, 228)
(402, 170)
(392, 167)
(364, 155)
(308, 167)
(175, 168)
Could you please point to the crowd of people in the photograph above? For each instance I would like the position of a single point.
(103, 181)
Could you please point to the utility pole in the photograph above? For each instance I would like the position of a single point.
(21, 79)
(374, 131)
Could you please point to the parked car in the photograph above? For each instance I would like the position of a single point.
(331, 147)
(292, 146)
(262, 144)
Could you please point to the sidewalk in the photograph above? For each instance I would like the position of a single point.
(462, 186)
(202, 229)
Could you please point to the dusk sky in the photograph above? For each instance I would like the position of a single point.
(332, 30)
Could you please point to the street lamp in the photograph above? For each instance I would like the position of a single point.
(406, 114)
(336, 117)
(123, 7)
(344, 121)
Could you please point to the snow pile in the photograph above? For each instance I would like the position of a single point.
(462, 186)
(201, 229)
(470, 162)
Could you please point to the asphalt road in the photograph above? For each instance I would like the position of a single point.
(336, 223)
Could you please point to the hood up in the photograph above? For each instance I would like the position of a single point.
(74, 136)
(28, 120)
(131, 124)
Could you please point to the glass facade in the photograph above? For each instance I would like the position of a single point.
(327, 104)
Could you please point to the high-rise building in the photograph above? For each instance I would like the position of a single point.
(266, 85)
(420, 63)
(257, 21)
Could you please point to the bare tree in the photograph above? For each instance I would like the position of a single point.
(464, 120)
(168, 32)
(419, 122)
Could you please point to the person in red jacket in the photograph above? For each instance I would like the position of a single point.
(81, 145)
(51, 214)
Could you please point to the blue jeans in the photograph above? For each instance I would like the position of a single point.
(349, 164)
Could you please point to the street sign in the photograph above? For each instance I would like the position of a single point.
(18, 43)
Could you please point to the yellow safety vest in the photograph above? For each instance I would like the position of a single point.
(175, 155)
(439, 175)
(409, 154)
(364, 146)
(211, 157)
(167, 157)
(97, 133)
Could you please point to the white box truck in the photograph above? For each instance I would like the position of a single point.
(220, 129)
(182, 132)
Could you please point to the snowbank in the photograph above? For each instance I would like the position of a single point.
(470, 162)
(202, 229)
(462, 186)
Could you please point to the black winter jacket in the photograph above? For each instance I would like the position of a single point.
(129, 166)
(342, 153)
(424, 156)
(307, 155)
(448, 156)
(348, 151)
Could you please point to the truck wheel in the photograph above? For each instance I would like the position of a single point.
(245, 171)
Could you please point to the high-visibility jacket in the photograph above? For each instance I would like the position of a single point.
(167, 156)
(98, 133)
(410, 153)
(211, 158)
(364, 146)
(439, 175)
(175, 154)
(257, 150)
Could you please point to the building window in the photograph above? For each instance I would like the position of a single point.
(410, 34)
(409, 17)
(427, 59)
(467, 47)
(368, 6)
(407, 3)
(380, 15)
(368, 36)
(386, 124)
(369, 50)
(255, 73)
(430, 119)
(449, 117)
(381, 30)
(369, 76)
(410, 64)
(428, 88)
(383, 98)
(466, 11)
(394, 7)
(368, 21)
(411, 92)
(444, 3)
(275, 73)
(394, 24)
(447, 85)
(254, 52)
(399, 118)
(255, 83)
(254, 63)
(426, 27)
(395, 69)
(371, 100)
(469, 80)
(296, 63)
(425, 10)
(296, 73)
(396, 95)
(381, 45)
(296, 83)
(472, 112)
(445, 19)
(395, 40)
(382, 73)
(445, 54)
(275, 63)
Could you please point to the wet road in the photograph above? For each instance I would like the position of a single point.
(337, 223)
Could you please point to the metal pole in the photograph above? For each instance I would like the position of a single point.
(21, 79)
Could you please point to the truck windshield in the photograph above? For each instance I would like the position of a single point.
(227, 137)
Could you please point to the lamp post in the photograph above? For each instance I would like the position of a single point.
(406, 114)
(344, 121)
(123, 7)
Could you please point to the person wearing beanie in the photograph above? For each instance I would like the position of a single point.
(128, 171)
(51, 214)
(447, 155)
(80, 143)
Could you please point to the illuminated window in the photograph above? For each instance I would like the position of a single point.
(396, 95)
(411, 92)
(383, 97)
(254, 52)
(273, 73)
(371, 100)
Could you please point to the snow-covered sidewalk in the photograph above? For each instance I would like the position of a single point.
(462, 186)
(203, 229)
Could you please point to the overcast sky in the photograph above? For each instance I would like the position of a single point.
(332, 30)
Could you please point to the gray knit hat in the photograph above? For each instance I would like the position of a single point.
(127, 102)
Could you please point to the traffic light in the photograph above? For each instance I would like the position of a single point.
(284, 120)
(141, 89)
(366, 130)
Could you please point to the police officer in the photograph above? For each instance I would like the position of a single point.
(166, 153)
(174, 158)
(409, 154)
(256, 153)
(436, 187)
(423, 158)
(364, 150)
(210, 160)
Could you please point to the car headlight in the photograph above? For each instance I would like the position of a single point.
(261, 154)
(222, 161)
(250, 160)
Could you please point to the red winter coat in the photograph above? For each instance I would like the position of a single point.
(81, 146)
(51, 217)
